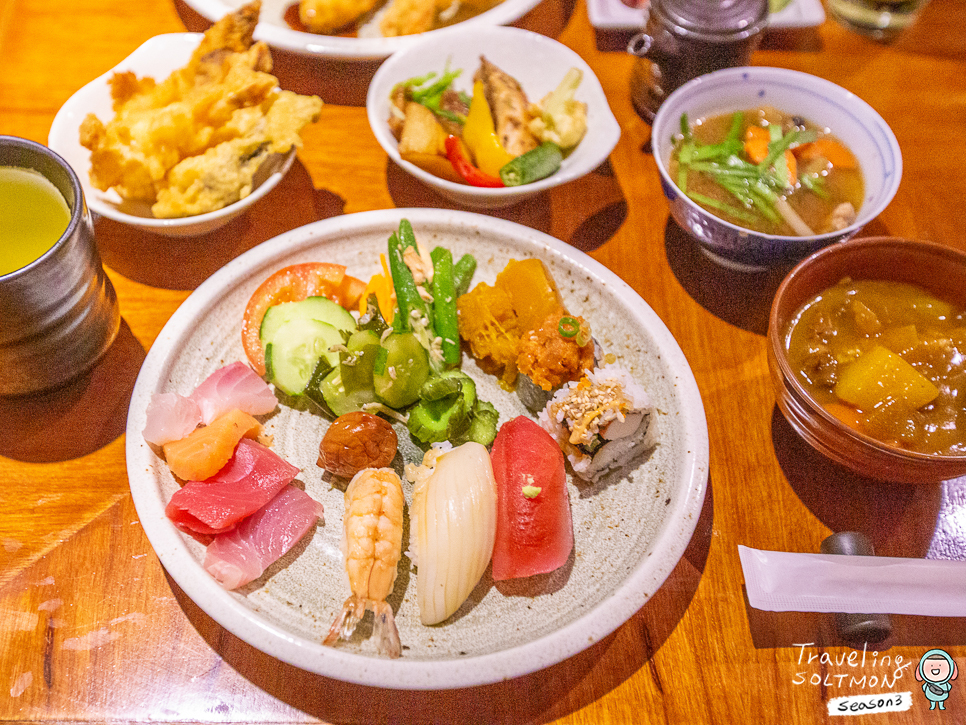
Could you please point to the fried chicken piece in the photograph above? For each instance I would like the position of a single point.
(165, 138)
(508, 104)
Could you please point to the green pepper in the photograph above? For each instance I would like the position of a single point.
(534, 165)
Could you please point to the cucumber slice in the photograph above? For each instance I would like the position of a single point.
(340, 400)
(363, 346)
(404, 370)
(311, 308)
(294, 351)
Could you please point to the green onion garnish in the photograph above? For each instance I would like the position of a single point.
(568, 327)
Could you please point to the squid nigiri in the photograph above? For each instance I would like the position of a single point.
(453, 519)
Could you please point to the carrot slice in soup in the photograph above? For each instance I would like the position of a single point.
(756, 143)
(829, 149)
(205, 451)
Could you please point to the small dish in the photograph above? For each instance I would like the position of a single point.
(850, 118)
(276, 31)
(158, 58)
(536, 61)
(936, 268)
(615, 15)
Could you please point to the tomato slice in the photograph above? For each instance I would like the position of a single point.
(293, 284)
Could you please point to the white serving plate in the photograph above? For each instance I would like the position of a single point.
(514, 51)
(274, 30)
(615, 15)
(158, 57)
(629, 531)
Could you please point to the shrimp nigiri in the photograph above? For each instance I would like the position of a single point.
(372, 546)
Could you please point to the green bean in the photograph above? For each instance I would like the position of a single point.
(407, 296)
(444, 304)
(463, 273)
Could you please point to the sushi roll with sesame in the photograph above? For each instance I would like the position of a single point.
(601, 421)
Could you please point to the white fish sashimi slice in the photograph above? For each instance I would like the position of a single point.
(234, 386)
(241, 555)
(170, 417)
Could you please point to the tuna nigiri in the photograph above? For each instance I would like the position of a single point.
(251, 478)
(534, 532)
(244, 553)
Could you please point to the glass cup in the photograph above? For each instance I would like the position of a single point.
(58, 311)
(880, 19)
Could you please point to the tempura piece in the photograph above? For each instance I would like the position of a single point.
(327, 16)
(193, 143)
(408, 17)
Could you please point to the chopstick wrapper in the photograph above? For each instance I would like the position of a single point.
(779, 581)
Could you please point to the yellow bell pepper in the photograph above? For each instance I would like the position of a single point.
(479, 135)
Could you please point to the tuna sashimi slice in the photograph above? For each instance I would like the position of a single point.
(233, 386)
(171, 417)
(242, 554)
(534, 531)
(251, 478)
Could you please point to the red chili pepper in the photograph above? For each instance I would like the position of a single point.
(466, 170)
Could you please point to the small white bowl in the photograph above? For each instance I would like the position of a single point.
(847, 117)
(157, 58)
(274, 29)
(536, 61)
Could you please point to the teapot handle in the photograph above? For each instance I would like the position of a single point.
(640, 45)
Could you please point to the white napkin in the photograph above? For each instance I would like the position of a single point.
(779, 581)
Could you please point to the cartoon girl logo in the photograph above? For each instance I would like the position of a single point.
(935, 672)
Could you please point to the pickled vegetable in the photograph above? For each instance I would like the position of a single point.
(356, 441)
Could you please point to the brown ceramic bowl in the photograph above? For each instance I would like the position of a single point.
(936, 268)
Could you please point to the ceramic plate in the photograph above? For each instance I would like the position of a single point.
(615, 15)
(157, 58)
(274, 30)
(629, 531)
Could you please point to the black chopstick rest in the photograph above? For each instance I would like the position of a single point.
(856, 627)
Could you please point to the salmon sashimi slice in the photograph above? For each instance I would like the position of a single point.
(244, 553)
(205, 451)
(250, 479)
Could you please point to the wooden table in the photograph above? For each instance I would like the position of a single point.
(92, 630)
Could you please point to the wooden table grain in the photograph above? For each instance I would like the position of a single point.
(91, 628)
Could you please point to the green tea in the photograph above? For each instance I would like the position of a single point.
(33, 216)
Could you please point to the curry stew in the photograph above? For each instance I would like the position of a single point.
(887, 359)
